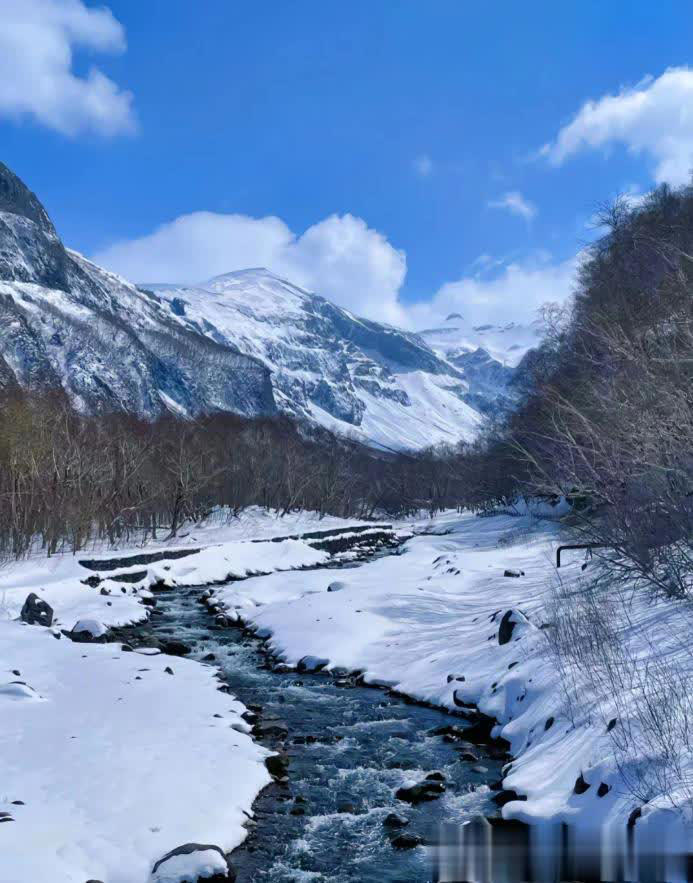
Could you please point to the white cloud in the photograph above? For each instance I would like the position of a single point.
(340, 257)
(514, 295)
(655, 118)
(423, 165)
(343, 259)
(516, 204)
(37, 40)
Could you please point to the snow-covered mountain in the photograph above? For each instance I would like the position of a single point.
(487, 356)
(247, 342)
(507, 344)
(66, 323)
(375, 383)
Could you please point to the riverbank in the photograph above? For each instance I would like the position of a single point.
(112, 757)
(467, 619)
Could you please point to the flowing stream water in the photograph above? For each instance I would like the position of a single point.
(350, 749)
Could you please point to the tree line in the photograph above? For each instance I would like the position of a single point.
(68, 480)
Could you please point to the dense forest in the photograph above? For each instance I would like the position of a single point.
(606, 420)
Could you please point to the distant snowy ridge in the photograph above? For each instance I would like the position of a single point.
(375, 383)
(455, 339)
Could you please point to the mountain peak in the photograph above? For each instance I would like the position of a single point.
(17, 199)
(249, 274)
(30, 250)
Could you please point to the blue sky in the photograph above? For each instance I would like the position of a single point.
(422, 121)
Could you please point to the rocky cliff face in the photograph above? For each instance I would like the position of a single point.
(66, 323)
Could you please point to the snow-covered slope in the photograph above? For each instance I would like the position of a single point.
(487, 355)
(506, 344)
(370, 381)
(66, 323)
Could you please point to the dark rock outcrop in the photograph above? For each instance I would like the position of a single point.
(36, 611)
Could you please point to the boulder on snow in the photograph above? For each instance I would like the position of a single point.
(514, 573)
(191, 863)
(36, 611)
(336, 586)
(88, 631)
(511, 619)
(17, 690)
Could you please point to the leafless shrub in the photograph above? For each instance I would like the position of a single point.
(616, 675)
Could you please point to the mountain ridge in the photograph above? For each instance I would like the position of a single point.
(248, 341)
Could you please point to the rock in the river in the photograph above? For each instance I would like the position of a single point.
(346, 806)
(176, 648)
(35, 611)
(269, 728)
(277, 765)
(191, 863)
(395, 820)
(312, 663)
(507, 796)
(414, 794)
(406, 840)
(469, 757)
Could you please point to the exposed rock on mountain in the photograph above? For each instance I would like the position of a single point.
(66, 323)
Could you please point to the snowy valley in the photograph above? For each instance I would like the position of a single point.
(145, 754)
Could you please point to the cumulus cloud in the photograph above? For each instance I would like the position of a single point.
(37, 41)
(340, 257)
(515, 203)
(344, 260)
(654, 117)
(515, 294)
(423, 165)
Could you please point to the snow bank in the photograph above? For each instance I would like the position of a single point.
(61, 581)
(442, 623)
(115, 761)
